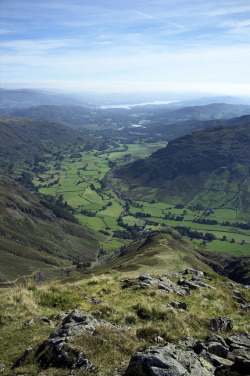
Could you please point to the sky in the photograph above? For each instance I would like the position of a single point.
(126, 45)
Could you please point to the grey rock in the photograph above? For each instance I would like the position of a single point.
(144, 277)
(199, 273)
(178, 305)
(24, 357)
(190, 284)
(218, 361)
(218, 349)
(44, 319)
(169, 360)
(164, 284)
(239, 298)
(2, 367)
(158, 339)
(215, 338)
(238, 340)
(221, 324)
(56, 351)
(244, 307)
(29, 322)
(243, 351)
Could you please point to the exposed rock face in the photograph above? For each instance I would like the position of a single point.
(56, 351)
(191, 357)
(169, 360)
(221, 324)
(164, 284)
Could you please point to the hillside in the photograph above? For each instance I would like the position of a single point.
(33, 239)
(210, 167)
(23, 141)
(120, 324)
(167, 251)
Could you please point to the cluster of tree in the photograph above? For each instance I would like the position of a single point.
(88, 213)
(172, 217)
(193, 234)
(141, 215)
(59, 208)
(205, 221)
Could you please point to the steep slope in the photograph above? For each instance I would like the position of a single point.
(32, 238)
(23, 140)
(210, 166)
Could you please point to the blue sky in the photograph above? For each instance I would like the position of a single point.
(117, 45)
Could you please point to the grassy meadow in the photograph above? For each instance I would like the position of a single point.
(86, 184)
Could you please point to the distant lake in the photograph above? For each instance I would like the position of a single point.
(128, 106)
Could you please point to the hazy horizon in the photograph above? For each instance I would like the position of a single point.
(127, 46)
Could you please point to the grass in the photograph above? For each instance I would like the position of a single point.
(78, 177)
(144, 310)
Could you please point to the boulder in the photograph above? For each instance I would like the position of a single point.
(169, 360)
(2, 367)
(199, 273)
(218, 349)
(238, 340)
(221, 324)
(179, 305)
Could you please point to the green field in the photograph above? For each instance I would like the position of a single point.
(96, 199)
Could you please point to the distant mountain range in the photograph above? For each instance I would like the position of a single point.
(209, 166)
(152, 121)
(23, 98)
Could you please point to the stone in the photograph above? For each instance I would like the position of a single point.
(242, 365)
(144, 277)
(199, 273)
(243, 351)
(23, 358)
(44, 319)
(190, 284)
(158, 339)
(244, 307)
(29, 322)
(239, 298)
(218, 349)
(170, 360)
(238, 339)
(179, 305)
(221, 324)
(56, 351)
(215, 338)
(164, 284)
(2, 367)
(218, 361)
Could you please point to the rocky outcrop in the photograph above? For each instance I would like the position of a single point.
(221, 324)
(164, 284)
(190, 357)
(56, 351)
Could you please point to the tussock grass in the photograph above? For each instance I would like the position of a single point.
(145, 311)
(109, 347)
